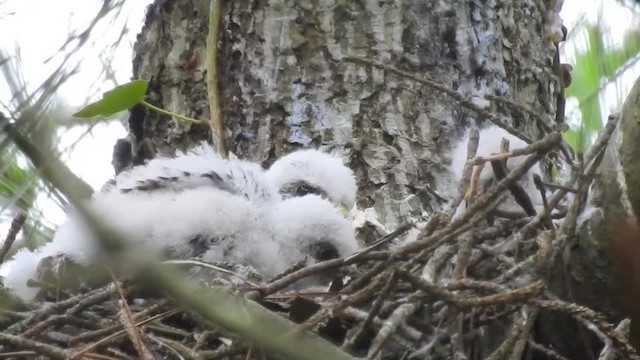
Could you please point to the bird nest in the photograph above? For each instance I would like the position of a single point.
(466, 288)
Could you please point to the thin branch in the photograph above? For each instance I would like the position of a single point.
(49, 166)
(212, 267)
(482, 202)
(16, 226)
(117, 334)
(465, 181)
(590, 316)
(127, 320)
(520, 295)
(169, 113)
(461, 99)
(216, 122)
(373, 312)
(598, 146)
(548, 127)
(52, 352)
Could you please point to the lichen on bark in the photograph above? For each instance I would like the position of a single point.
(284, 84)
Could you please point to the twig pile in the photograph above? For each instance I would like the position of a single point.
(416, 300)
(463, 289)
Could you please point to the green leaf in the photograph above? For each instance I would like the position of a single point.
(574, 137)
(585, 85)
(17, 185)
(113, 101)
(594, 68)
(615, 59)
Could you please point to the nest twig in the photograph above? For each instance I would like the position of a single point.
(413, 300)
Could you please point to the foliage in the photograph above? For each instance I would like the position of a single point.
(19, 183)
(34, 105)
(118, 99)
(124, 97)
(15, 184)
(595, 67)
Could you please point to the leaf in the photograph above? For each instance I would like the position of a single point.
(585, 84)
(574, 138)
(118, 99)
(17, 185)
(595, 67)
(615, 59)
(35, 234)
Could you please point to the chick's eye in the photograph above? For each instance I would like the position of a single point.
(324, 251)
(303, 190)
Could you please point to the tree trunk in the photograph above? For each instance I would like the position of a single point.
(286, 84)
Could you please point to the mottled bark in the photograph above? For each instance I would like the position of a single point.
(285, 85)
(627, 147)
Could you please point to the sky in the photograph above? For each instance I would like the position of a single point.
(89, 158)
(40, 28)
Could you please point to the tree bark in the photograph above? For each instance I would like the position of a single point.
(285, 84)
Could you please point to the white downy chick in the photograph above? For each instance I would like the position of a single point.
(164, 205)
(151, 224)
(311, 171)
(201, 166)
(294, 229)
(206, 222)
(489, 144)
(299, 173)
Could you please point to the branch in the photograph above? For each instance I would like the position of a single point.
(16, 226)
(52, 352)
(216, 123)
(49, 167)
(461, 99)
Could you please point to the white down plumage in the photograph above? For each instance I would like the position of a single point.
(199, 205)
